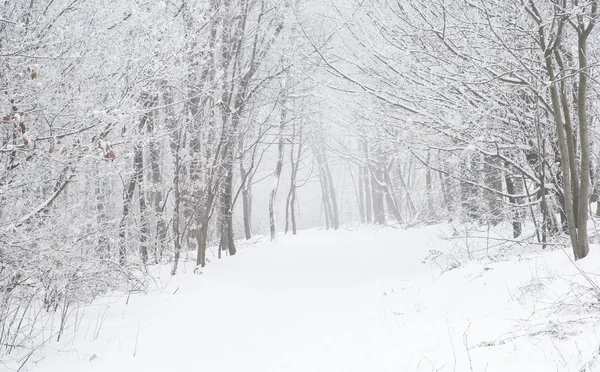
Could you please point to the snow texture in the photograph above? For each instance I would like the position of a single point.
(386, 299)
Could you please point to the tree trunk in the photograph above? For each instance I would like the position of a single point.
(138, 168)
(412, 210)
(570, 135)
(156, 195)
(138, 165)
(246, 211)
(584, 139)
(393, 205)
(334, 207)
(511, 189)
(127, 200)
(290, 206)
(368, 193)
(429, 188)
(325, 199)
(277, 173)
(227, 242)
(175, 145)
(492, 174)
(565, 154)
(103, 239)
(377, 192)
(361, 195)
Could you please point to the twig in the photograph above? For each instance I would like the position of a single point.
(136, 338)
(451, 341)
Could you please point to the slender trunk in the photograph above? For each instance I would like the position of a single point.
(564, 154)
(377, 197)
(377, 192)
(156, 194)
(202, 240)
(246, 208)
(277, 173)
(226, 224)
(584, 187)
(332, 195)
(512, 190)
(429, 188)
(325, 199)
(570, 136)
(290, 206)
(367, 190)
(202, 232)
(327, 188)
(393, 205)
(127, 200)
(361, 195)
(468, 192)
(176, 212)
(446, 184)
(409, 201)
(138, 168)
(138, 164)
(292, 211)
(103, 240)
(175, 145)
(493, 179)
(549, 226)
(212, 185)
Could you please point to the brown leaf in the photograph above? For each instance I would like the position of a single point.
(110, 155)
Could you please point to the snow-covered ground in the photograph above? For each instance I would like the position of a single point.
(374, 299)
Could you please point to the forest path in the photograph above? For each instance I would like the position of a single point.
(313, 302)
(340, 301)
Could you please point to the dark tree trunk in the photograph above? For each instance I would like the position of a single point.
(512, 189)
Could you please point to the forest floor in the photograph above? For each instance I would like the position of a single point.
(370, 299)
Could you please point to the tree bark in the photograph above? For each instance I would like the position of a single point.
(584, 139)
(511, 189)
(367, 189)
(277, 173)
(290, 205)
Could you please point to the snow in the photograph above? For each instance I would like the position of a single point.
(363, 300)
